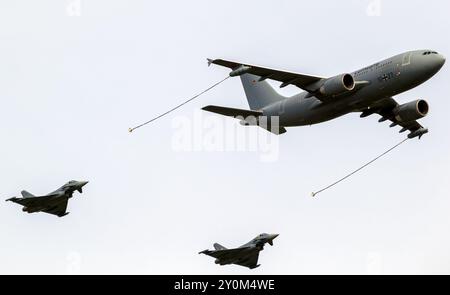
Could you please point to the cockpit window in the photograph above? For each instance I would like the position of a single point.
(429, 52)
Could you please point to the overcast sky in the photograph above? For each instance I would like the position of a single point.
(75, 75)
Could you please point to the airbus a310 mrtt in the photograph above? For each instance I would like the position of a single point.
(368, 90)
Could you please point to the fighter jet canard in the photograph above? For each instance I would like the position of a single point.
(246, 255)
(53, 203)
(369, 91)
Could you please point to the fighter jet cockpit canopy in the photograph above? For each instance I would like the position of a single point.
(70, 183)
(261, 236)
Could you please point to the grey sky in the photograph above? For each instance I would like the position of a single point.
(71, 86)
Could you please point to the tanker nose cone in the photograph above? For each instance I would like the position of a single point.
(437, 61)
(441, 59)
(429, 63)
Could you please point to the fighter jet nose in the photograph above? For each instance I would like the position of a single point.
(80, 185)
(271, 238)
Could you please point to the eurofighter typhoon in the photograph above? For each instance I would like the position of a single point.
(53, 203)
(246, 255)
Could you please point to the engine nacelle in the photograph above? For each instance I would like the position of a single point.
(411, 111)
(338, 85)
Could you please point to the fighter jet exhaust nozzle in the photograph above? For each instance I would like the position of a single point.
(411, 111)
(338, 85)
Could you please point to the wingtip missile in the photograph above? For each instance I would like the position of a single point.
(210, 61)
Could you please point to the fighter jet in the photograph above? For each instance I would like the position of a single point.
(368, 91)
(246, 255)
(53, 203)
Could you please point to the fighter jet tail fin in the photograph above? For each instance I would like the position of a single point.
(219, 247)
(26, 194)
(259, 92)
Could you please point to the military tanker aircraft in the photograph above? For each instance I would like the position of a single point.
(369, 90)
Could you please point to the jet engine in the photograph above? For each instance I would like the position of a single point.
(411, 111)
(338, 85)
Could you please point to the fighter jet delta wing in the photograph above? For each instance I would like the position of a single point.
(250, 260)
(59, 209)
(226, 253)
(243, 256)
(31, 201)
(405, 115)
